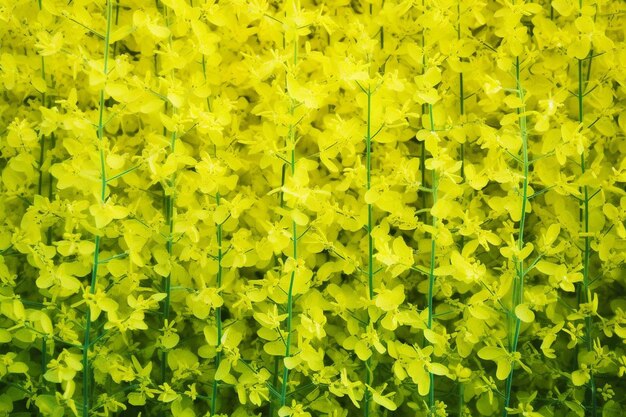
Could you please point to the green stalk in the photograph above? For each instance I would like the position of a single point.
(423, 147)
(42, 143)
(96, 253)
(431, 271)
(518, 288)
(294, 238)
(170, 200)
(585, 224)
(166, 282)
(370, 245)
(277, 359)
(461, 94)
(117, 19)
(462, 114)
(283, 173)
(433, 243)
(42, 154)
(218, 311)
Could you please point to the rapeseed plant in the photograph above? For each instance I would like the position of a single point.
(301, 208)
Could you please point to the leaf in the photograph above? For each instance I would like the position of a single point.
(299, 217)
(18, 368)
(438, 369)
(419, 376)
(292, 361)
(383, 400)
(576, 408)
(220, 214)
(584, 24)
(552, 234)
(524, 313)
(564, 7)
(504, 368)
(372, 195)
(120, 33)
(158, 31)
(169, 340)
(105, 213)
(402, 251)
(136, 399)
(223, 370)
(580, 378)
(612, 409)
(49, 406)
(275, 348)
(389, 300)
(579, 48)
(39, 84)
(362, 350)
(513, 101)
(491, 353)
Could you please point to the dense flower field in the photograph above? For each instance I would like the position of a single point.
(309, 208)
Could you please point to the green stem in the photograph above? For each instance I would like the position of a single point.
(584, 297)
(294, 238)
(461, 105)
(218, 311)
(431, 271)
(369, 375)
(42, 139)
(518, 288)
(423, 146)
(433, 242)
(117, 19)
(96, 254)
(42, 154)
(462, 115)
(170, 201)
(274, 384)
(370, 245)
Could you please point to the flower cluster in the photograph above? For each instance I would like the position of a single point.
(298, 208)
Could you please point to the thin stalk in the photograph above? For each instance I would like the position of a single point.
(42, 155)
(433, 243)
(283, 173)
(208, 99)
(518, 289)
(274, 383)
(170, 201)
(462, 117)
(584, 296)
(117, 19)
(423, 147)
(370, 244)
(461, 93)
(431, 271)
(218, 311)
(283, 176)
(96, 254)
(294, 238)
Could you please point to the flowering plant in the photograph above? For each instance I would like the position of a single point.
(301, 208)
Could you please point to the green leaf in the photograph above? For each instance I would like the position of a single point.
(612, 409)
(576, 408)
(580, 378)
(524, 313)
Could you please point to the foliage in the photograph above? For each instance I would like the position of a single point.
(299, 208)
